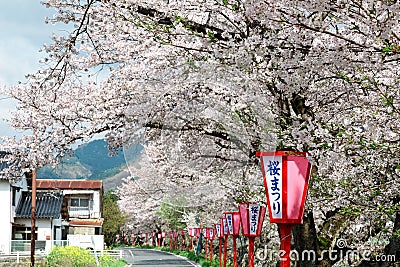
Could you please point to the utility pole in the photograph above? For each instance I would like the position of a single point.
(33, 218)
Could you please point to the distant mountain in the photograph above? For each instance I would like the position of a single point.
(91, 161)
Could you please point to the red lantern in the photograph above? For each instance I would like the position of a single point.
(171, 235)
(198, 231)
(163, 235)
(191, 233)
(233, 222)
(225, 231)
(133, 239)
(211, 233)
(286, 175)
(252, 218)
(218, 231)
(154, 239)
(229, 222)
(159, 239)
(183, 243)
(224, 226)
(117, 238)
(211, 236)
(236, 223)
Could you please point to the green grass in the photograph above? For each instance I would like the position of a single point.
(191, 255)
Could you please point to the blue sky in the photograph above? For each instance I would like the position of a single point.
(22, 33)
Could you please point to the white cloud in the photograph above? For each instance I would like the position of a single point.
(22, 34)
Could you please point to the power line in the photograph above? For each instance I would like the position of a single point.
(7, 97)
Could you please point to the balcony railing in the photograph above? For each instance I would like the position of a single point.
(83, 212)
(80, 212)
(25, 245)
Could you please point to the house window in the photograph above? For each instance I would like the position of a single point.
(23, 233)
(80, 202)
(80, 207)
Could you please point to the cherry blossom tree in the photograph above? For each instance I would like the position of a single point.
(204, 84)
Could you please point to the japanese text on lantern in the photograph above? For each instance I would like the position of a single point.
(225, 226)
(229, 221)
(211, 231)
(254, 213)
(273, 176)
(218, 228)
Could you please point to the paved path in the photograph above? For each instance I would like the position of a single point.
(153, 258)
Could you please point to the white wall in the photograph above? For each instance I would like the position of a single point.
(95, 242)
(96, 203)
(5, 216)
(43, 226)
(95, 212)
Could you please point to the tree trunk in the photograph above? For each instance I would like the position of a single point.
(393, 248)
(305, 239)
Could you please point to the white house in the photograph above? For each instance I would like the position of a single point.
(81, 211)
(10, 193)
(48, 220)
(64, 208)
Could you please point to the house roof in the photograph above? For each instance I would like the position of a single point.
(68, 184)
(48, 205)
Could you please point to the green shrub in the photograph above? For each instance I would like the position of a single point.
(78, 257)
(183, 253)
(70, 257)
(192, 256)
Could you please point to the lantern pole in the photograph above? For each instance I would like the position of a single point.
(220, 251)
(235, 264)
(206, 249)
(285, 233)
(251, 251)
(225, 248)
(211, 255)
